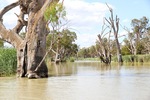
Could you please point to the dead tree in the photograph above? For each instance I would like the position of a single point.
(32, 48)
(104, 43)
(114, 24)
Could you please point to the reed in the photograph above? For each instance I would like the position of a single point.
(8, 61)
(132, 58)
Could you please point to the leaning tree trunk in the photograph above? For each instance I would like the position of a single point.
(31, 49)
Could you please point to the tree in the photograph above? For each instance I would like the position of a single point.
(138, 39)
(32, 48)
(55, 15)
(129, 41)
(65, 47)
(92, 51)
(146, 41)
(114, 25)
(140, 28)
(104, 43)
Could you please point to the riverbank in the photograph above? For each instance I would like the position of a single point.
(8, 61)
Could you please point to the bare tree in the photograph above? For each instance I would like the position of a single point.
(104, 43)
(32, 48)
(114, 24)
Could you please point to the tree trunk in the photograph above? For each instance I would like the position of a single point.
(36, 46)
(104, 53)
(119, 55)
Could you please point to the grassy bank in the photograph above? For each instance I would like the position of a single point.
(89, 59)
(126, 58)
(8, 62)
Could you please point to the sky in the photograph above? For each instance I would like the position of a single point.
(86, 16)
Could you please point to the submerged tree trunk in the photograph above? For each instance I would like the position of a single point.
(118, 51)
(36, 45)
(104, 53)
(31, 49)
(114, 24)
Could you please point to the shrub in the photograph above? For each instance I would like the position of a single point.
(147, 58)
(115, 59)
(72, 59)
(127, 58)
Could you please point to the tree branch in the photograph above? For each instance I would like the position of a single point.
(7, 8)
(21, 23)
(10, 36)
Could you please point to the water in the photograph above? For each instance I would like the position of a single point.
(81, 81)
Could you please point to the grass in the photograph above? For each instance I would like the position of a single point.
(126, 58)
(89, 59)
(8, 62)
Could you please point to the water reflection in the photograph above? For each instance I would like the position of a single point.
(96, 69)
(62, 69)
(82, 81)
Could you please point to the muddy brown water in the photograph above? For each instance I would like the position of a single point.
(81, 81)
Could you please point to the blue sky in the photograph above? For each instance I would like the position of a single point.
(86, 16)
(125, 9)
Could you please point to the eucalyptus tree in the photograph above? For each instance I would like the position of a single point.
(140, 27)
(32, 48)
(56, 16)
(66, 44)
(138, 38)
(130, 41)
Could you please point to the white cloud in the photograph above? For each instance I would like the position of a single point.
(87, 18)
(82, 13)
(9, 19)
(86, 40)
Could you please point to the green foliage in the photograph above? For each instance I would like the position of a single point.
(65, 43)
(72, 59)
(115, 59)
(140, 47)
(125, 50)
(8, 61)
(140, 26)
(54, 13)
(132, 58)
(147, 58)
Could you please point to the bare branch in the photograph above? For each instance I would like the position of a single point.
(7, 8)
(21, 23)
(110, 9)
(108, 21)
(10, 36)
